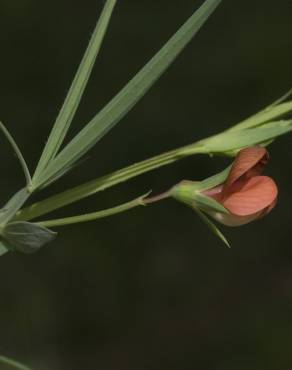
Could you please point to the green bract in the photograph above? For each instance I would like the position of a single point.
(190, 193)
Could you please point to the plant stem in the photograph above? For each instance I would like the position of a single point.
(107, 181)
(94, 215)
(157, 198)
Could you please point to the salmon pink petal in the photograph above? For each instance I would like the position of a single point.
(270, 208)
(249, 161)
(256, 194)
(214, 193)
(234, 220)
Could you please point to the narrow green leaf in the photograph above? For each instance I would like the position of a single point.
(233, 152)
(64, 171)
(109, 116)
(14, 204)
(281, 99)
(271, 113)
(94, 215)
(230, 140)
(12, 364)
(212, 227)
(17, 152)
(27, 237)
(76, 91)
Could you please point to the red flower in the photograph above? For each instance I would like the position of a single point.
(245, 194)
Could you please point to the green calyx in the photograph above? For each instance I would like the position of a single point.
(185, 192)
(190, 193)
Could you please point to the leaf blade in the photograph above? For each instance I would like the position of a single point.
(230, 140)
(115, 110)
(27, 237)
(76, 91)
(271, 113)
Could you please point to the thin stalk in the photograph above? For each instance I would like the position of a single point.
(94, 215)
(85, 190)
(158, 198)
(18, 153)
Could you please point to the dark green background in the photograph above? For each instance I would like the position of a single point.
(150, 289)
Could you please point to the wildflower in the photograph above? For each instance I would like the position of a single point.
(243, 196)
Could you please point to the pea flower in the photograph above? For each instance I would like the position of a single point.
(244, 195)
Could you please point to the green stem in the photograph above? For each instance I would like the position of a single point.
(94, 215)
(102, 183)
(12, 363)
(158, 198)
